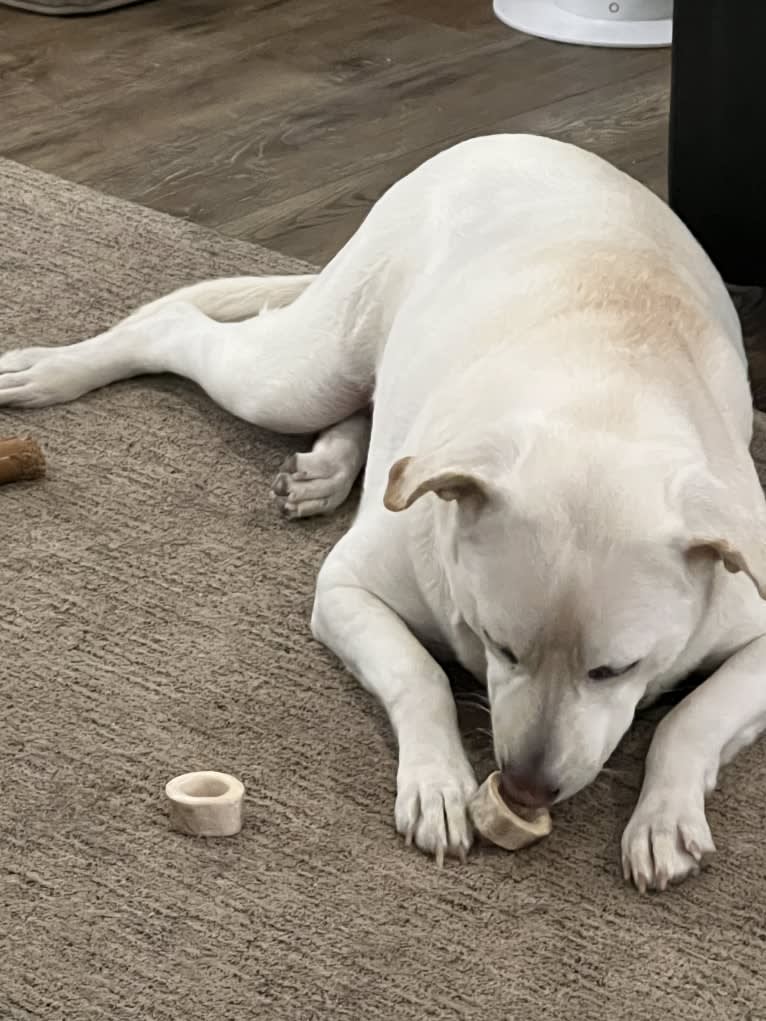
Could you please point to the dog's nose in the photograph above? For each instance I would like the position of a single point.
(528, 788)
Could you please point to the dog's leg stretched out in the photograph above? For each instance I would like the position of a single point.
(287, 369)
(39, 376)
(283, 369)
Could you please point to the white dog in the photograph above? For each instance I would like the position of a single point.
(558, 491)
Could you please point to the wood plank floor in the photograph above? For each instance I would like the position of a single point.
(281, 121)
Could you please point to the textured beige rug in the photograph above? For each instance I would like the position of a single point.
(154, 619)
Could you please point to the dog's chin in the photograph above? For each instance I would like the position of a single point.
(572, 783)
(569, 787)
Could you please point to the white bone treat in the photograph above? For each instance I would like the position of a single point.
(205, 804)
(497, 822)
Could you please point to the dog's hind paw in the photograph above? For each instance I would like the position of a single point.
(35, 377)
(667, 840)
(22, 358)
(432, 806)
(311, 484)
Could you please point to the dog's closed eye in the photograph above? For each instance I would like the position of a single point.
(607, 673)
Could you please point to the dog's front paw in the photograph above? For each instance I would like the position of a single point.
(667, 839)
(432, 804)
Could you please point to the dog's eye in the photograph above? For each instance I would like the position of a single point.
(606, 673)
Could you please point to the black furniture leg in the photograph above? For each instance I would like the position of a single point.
(717, 154)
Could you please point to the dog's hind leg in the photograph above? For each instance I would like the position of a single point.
(230, 299)
(306, 362)
(298, 368)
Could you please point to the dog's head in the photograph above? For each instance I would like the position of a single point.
(586, 574)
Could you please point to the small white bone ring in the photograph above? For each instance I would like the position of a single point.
(499, 823)
(205, 804)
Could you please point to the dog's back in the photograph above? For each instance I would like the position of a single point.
(568, 274)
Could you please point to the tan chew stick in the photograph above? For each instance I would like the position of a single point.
(206, 804)
(500, 824)
(20, 458)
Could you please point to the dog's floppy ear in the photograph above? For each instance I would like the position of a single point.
(727, 521)
(413, 477)
(733, 559)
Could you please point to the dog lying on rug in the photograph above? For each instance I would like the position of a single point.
(558, 491)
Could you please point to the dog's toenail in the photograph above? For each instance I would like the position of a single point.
(281, 486)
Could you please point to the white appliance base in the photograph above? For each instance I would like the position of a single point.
(549, 21)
